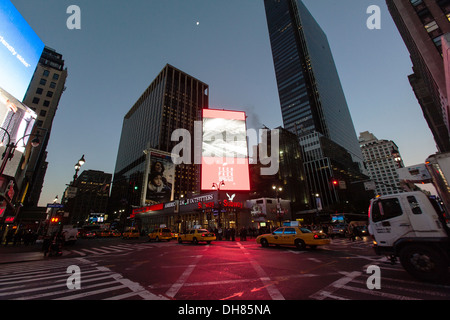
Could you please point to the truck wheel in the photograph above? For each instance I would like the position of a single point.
(423, 262)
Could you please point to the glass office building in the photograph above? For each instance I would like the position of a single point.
(172, 101)
(312, 100)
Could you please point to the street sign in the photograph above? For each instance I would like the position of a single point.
(55, 205)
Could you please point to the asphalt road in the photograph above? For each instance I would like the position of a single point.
(224, 271)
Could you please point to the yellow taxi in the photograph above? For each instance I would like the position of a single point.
(197, 235)
(160, 234)
(104, 233)
(293, 236)
(130, 234)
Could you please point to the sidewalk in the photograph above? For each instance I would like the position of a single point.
(20, 253)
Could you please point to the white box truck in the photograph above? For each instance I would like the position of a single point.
(414, 227)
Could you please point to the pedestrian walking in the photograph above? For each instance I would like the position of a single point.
(351, 232)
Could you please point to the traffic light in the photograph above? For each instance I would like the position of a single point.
(335, 182)
(55, 220)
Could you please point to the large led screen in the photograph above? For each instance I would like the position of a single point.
(224, 151)
(20, 50)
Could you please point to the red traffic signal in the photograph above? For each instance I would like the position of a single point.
(335, 182)
(54, 220)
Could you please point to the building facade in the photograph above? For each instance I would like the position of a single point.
(312, 100)
(422, 23)
(92, 196)
(43, 96)
(382, 158)
(291, 177)
(174, 100)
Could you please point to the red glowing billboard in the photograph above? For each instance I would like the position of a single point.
(224, 151)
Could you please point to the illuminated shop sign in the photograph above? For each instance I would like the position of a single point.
(20, 51)
(225, 204)
(224, 150)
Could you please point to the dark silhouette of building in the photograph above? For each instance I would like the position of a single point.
(422, 23)
(92, 196)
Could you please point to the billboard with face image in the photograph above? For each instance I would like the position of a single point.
(160, 178)
(224, 151)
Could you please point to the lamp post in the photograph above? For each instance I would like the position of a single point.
(72, 187)
(8, 154)
(214, 187)
(11, 147)
(278, 189)
(77, 168)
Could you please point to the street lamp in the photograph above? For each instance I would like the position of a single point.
(277, 190)
(77, 168)
(11, 147)
(214, 187)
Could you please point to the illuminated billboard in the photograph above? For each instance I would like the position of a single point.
(224, 151)
(20, 51)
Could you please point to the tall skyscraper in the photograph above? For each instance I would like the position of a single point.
(174, 100)
(43, 96)
(312, 100)
(422, 23)
(383, 159)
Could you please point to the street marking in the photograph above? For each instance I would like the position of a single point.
(180, 282)
(274, 293)
(338, 284)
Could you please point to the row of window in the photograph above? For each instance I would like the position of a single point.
(429, 22)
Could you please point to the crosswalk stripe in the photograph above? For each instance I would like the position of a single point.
(56, 293)
(90, 293)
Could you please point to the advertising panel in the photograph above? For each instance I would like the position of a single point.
(20, 50)
(160, 180)
(224, 151)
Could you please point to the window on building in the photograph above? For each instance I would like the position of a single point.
(445, 5)
(55, 76)
(46, 73)
(39, 91)
(52, 85)
(43, 82)
(35, 100)
(50, 94)
(43, 113)
(431, 26)
(46, 103)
